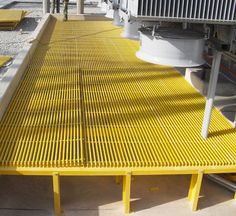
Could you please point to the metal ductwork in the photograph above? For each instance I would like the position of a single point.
(174, 47)
(131, 27)
(213, 11)
(185, 16)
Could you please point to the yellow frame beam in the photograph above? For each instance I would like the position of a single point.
(193, 195)
(79, 171)
(56, 194)
(194, 190)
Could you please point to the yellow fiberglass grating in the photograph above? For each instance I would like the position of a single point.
(4, 60)
(87, 101)
(7, 15)
(9, 19)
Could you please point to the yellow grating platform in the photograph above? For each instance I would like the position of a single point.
(87, 101)
(87, 106)
(9, 19)
(4, 60)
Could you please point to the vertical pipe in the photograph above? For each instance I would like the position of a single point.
(80, 7)
(211, 93)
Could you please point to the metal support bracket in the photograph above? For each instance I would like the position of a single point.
(211, 93)
(219, 47)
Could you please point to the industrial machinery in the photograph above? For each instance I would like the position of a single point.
(180, 33)
(181, 28)
(183, 32)
(82, 105)
(112, 11)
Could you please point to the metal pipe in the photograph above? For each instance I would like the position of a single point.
(211, 93)
(223, 182)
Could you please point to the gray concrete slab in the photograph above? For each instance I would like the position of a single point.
(100, 196)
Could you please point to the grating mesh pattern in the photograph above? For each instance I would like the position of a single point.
(86, 101)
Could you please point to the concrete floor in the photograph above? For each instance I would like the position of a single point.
(100, 196)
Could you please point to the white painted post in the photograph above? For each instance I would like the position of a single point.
(80, 6)
(211, 93)
(46, 6)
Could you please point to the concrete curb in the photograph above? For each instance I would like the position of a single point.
(11, 79)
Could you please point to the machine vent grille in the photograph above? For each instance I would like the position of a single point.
(203, 10)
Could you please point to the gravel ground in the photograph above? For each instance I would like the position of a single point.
(11, 42)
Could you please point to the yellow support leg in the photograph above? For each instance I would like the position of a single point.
(126, 192)
(194, 190)
(235, 195)
(118, 179)
(56, 193)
